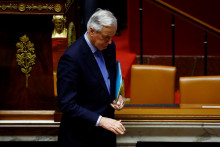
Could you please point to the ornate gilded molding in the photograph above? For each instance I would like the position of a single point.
(25, 56)
(57, 7)
(40, 7)
(21, 7)
(9, 6)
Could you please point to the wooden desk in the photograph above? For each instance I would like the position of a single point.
(142, 124)
(128, 114)
(140, 114)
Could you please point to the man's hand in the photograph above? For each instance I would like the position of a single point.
(112, 125)
(119, 104)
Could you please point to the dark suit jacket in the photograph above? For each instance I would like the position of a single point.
(83, 96)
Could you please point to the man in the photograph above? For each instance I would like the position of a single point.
(86, 87)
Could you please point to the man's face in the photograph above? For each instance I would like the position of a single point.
(101, 39)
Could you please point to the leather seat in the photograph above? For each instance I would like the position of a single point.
(152, 84)
(199, 91)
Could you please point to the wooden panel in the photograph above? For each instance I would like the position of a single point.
(28, 131)
(36, 102)
(14, 94)
(189, 38)
(26, 115)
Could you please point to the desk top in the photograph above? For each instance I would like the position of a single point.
(168, 114)
(128, 114)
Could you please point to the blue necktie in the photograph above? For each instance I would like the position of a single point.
(101, 63)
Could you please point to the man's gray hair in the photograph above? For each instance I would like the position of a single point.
(101, 18)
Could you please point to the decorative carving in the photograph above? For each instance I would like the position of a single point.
(25, 56)
(39, 7)
(71, 33)
(10, 6)
(60, 31)
(21, 7)
(30, 7)
(57, 7)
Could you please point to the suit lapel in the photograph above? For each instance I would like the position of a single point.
(92, 65)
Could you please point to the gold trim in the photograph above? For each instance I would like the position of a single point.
(57, 7)
(21, 7)
(10, 6)
(25, 56)
(55, 82)
(40, 7)
(30, 7)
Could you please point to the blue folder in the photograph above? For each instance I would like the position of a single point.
(119, 82)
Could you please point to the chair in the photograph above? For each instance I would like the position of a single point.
(152, 84)
(200, 91)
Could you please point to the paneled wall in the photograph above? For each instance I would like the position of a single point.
(27, 56)
(14, 93)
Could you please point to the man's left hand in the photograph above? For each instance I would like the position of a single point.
(119, 104)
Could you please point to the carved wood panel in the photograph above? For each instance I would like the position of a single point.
(39, 93)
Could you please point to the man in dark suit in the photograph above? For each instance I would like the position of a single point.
(86, 87)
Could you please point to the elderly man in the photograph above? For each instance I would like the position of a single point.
(86, 87)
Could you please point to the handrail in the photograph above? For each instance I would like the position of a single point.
(186, 16)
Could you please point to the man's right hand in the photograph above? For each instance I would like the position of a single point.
(112, 125)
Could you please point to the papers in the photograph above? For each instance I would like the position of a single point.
(119, 82)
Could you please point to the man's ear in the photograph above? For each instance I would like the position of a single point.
(92, 31)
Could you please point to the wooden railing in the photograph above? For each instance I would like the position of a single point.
(173, 10)
(177, 12)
